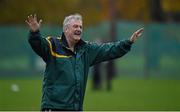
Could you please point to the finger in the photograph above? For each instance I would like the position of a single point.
(27, 22)
(28, 18)
(31, 19)
(135, 34)
(140, 31)
(35, 17)
(40, 21)
(31, 16)
(139, 34)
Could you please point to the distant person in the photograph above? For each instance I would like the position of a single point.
(68, 59)
(96, 77)
(110, 74)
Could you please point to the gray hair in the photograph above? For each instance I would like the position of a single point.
(71, 17)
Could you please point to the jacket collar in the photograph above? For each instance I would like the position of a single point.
(65, 43)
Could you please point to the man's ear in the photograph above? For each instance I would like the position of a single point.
(66, 29)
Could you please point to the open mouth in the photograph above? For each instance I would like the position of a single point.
(77, 33)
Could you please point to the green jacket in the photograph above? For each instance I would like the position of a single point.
(66, 72)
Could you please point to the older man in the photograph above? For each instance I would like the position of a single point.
(68, 59)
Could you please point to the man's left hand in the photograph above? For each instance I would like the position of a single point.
(136, 35)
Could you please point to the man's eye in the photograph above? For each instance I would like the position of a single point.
(75, 26)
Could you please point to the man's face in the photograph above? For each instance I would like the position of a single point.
(74, 30)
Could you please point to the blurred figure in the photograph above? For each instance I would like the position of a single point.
(96, 77)
(110, 74)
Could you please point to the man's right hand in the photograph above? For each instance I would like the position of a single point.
(34, 25)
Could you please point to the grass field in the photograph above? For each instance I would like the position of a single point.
(131, 94)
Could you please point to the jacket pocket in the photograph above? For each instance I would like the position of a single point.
(62, 94)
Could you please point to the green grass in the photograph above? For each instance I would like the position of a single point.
(28, 98)
(134, 94)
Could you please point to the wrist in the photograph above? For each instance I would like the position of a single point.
(131, 41)
(34, 31)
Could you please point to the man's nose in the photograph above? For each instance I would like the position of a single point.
(79, 28)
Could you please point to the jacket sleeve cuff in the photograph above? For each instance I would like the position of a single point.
(35, 34)
(126, 45)
(128, 42)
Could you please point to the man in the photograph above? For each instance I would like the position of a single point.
(68, 59)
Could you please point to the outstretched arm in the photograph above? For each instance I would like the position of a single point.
(112, 50)
(38, 44)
